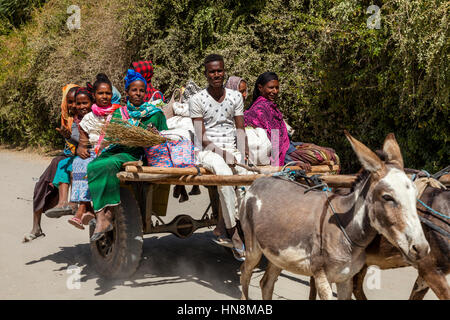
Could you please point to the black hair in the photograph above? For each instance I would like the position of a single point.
(211, 58)
(101, 78)
(72, 90)
(262, 80)
(88, 91)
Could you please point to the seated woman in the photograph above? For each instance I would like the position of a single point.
(265, 114)
(45, 195)
(238, 84)
(103, 182)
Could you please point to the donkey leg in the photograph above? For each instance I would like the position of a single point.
(323, 286)
(312, 289)
(358, 284)
(345, 289)
(419, 289)
(252, 258)
(267, 282)
(436, 281)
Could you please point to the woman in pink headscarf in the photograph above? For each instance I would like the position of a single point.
(264, 113)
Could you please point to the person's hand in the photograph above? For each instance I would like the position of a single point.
(82, 152)
(64, 132)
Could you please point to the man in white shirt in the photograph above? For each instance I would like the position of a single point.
(218, 117)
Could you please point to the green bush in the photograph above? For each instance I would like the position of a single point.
(335, 72)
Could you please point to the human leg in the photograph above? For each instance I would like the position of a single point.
(105, 188)
(44, 196)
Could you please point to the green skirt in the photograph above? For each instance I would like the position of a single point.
(102, 178)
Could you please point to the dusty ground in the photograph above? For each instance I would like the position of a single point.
(171, 268)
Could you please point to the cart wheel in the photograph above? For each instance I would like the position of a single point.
(118, 253)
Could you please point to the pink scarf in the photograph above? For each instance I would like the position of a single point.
(104, 111)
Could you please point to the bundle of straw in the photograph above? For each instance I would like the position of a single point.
(131, 136)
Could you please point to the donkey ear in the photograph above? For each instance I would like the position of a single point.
(369, 160)
(392, 149)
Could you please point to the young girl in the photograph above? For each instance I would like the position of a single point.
(90, 145)
(84, 102)
(61, 181)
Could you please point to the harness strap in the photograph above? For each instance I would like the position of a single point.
(291, 175)
(434, 227)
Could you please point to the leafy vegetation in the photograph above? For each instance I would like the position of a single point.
(335, 72)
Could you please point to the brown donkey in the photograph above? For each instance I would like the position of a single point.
(432, 269)
(300, 233)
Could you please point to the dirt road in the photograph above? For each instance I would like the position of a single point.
(171, 268)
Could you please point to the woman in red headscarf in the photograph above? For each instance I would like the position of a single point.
(145, 68)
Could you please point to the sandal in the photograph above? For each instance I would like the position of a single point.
(222, 241)
(59, 212)
(76, 223)
(86, 217)
(239, 254)
(28, 237)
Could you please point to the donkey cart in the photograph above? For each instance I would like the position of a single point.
(143, 193)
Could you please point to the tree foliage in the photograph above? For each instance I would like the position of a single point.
(335, 72)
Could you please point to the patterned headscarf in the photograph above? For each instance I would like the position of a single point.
(66, 119)
(145, 68)
(133, 76)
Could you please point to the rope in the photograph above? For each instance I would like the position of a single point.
(432, 210)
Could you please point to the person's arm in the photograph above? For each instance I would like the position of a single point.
(83, 143)
(200, 133)
(241, 136)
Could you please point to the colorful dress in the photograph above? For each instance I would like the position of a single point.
(265, 114)
(104, 185)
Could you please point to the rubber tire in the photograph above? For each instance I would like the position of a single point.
(126, 254)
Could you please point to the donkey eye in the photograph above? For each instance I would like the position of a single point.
(387, 197)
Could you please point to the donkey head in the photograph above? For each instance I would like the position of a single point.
(391, 200)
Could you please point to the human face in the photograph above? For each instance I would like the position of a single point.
(84, 105)
(243, 89)
(215, 73)
(71, 105)
(270, 90)
(136, 93)
(103, 95)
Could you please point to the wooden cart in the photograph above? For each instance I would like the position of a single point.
(117, 255)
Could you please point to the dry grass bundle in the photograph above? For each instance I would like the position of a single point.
(132, 136)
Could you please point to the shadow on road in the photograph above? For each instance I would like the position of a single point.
(167, 260)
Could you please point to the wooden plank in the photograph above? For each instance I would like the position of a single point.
(219, 180)
(193, 171)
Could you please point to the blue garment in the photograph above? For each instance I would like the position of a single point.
(62, 174)
(116, 96)
(80, 187)
(133, 76)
